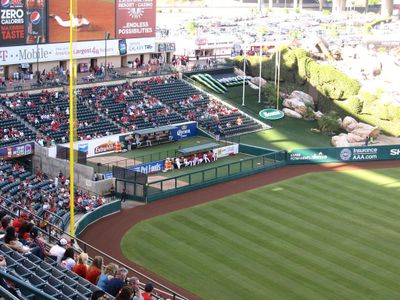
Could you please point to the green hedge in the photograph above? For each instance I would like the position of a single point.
(336, 91)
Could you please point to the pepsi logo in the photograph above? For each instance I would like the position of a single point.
(35, 17)
(5, 3)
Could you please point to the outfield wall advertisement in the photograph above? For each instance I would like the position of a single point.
(17, 151)
(22, 22)
(346, 154)
(57, 52)
(135, 18)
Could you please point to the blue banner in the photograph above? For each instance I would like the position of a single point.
(184, 131)
(15, 151)
(148, 168)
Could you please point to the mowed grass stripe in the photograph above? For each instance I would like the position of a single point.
(328, 249)
(343, 218)
(355, 237)
(303, 245)
(239, 256)
(256, 256)
(212, 271)
(362, 197)
(300, 239)
(279, 254)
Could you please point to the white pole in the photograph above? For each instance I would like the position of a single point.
(279, 75)
(244, 75)
(276, 65)
(259, 81)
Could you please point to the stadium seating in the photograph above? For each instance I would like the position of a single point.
(129, 106)
(40, 195)
(46, 275)
(42, 110)
(11, 124)
(173, 93)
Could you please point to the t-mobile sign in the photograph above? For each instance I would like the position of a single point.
(135, 18)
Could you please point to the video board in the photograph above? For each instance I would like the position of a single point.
(94, 18)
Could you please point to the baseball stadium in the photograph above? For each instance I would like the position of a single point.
(126, 176)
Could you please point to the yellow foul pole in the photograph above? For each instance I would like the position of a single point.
(72, 112)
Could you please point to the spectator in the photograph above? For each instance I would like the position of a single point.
(98, 295)
(123, 195)
(148, 289)
(3, 283)
(116, 283)
(94, 271)
(24, 232)
(36, 240)
(81, 266)
(68, 260)
(58, 250)
(109, 273)
(5, 222)
(124, 294)
(133, 283)
(10, 239)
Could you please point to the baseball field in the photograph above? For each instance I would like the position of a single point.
(324, 235)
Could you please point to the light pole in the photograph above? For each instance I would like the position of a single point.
(244, 75)
(106, 37)
(259, 81)
(37, 58)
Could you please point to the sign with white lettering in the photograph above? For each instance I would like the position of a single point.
(60, 51)
(135, 18)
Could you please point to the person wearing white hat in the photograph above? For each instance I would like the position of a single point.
(58, 249)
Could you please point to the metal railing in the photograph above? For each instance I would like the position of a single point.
(24, 285)
(159, 287)
(214, 174)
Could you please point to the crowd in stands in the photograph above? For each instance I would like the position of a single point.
(37, 194)
(49, 113)
(11, 131)
(38, 254)
(153, 103)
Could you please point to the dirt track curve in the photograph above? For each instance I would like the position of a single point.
(112, 228)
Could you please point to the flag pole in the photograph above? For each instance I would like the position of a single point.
(244, 76)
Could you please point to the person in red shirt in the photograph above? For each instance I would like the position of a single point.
(148, 288)
(17, 223)
(94, 271)
(81, 267)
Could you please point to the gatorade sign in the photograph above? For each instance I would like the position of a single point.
(271, 114)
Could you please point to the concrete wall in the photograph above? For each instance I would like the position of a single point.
(83, 174)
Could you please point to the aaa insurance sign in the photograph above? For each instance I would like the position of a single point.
(271, 114)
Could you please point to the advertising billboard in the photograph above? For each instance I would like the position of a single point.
(94, 18)
(135, 18)
(15, 151)
(184, 130)
(346, 154)
(23, 22)
(60, 51)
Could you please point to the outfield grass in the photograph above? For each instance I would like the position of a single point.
(318, 236)
(287, 133)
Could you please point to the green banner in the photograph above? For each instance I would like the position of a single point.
(346, 154)
(271, 114)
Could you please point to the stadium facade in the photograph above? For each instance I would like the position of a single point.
(37, 32)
